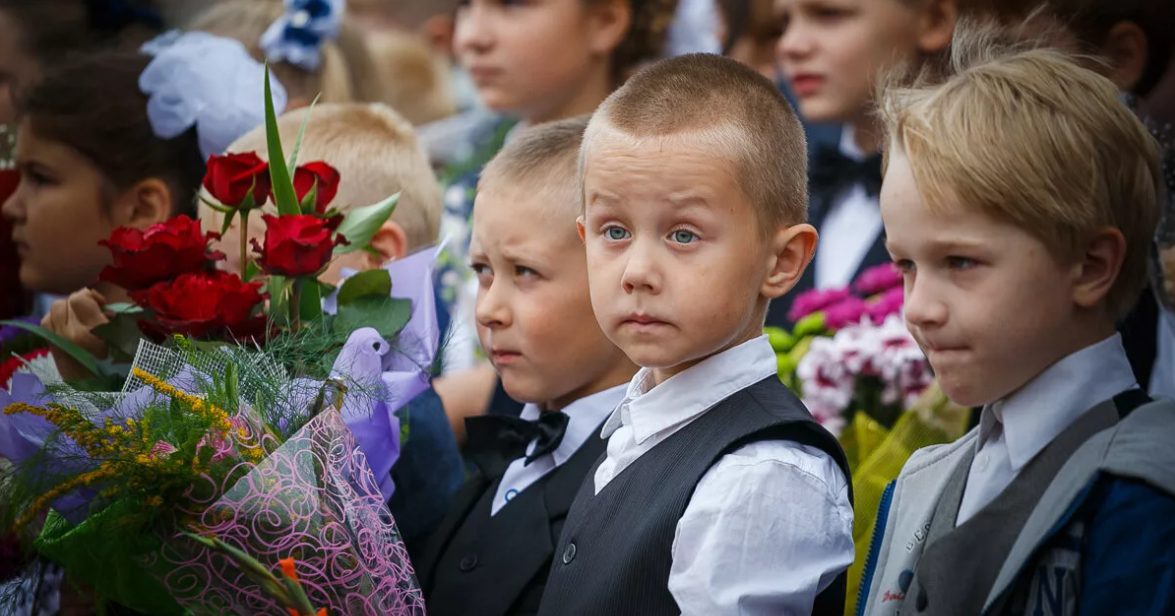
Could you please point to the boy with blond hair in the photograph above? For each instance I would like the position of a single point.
(376, 153)
(492, 554)
(1020, 201)
(719, 494)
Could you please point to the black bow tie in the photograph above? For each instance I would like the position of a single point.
(832, 171)
(494, 441)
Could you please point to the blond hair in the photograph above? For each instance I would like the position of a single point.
(376, 154)
(541, 159)
(731, 108)
(417, 79)
(1028, 136)
(345, 74)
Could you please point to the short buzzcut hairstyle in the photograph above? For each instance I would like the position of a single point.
(541, 159)
(731, 108)
(1027, 135)
(377, 155)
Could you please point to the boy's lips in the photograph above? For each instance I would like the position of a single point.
(501, 357)
(642, 322)
(482, 74)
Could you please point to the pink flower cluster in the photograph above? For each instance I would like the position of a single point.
(832, 367)
(881, 285)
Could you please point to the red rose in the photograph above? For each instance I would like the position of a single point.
(162, 252)
(230, 178)
(297, 245)
(205, 305)
(327, 178)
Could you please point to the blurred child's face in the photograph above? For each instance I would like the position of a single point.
(526, 57)
(17, 69)
(988, 303)
(58, 216)
(676, 259)
(832, 50)
(534, 314)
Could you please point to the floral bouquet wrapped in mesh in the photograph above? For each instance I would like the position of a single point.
(241, 463)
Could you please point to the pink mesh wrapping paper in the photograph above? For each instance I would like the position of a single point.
(313, 499)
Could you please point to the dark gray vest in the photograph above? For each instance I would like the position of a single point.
(615, 552)
(960, 564)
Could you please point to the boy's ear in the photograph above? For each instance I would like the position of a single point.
(390, 242)
(937, 25)
(580, 228)
(1099, 267)
(609, 22)
(1126, 50)
(147, 203)
(792, 249)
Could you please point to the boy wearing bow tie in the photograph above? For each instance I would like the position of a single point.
(492, 553)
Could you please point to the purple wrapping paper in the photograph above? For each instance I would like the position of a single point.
(314, 499)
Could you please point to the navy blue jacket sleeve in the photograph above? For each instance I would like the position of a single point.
(1128, 562)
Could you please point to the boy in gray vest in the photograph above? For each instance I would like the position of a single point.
(1020, 200)
(718, 494)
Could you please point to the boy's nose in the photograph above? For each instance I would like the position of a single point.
(640, 272)
(922, 307)
(13, 208)
(491, 311)
(474, 32)
(794, 44)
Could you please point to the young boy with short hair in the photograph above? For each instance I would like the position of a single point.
(1020, 201)
(492, 554)
(719, 493)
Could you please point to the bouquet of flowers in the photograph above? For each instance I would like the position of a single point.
(249, 436)
(862, 375)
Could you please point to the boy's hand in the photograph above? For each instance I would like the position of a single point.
(73, 319)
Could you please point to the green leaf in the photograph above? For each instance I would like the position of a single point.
(310, 300)
(121, 334)
(386, 315)
(278, 288)
(307, 204)
(232, 386)
(360, 225)
(302, 133)
(369, 283)
(79, 354)
(251, 271)
(279, 174)
(124, 308)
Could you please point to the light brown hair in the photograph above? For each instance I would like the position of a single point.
(345, 74)
(731, 106)
(417, 83)
(1028, 136)
(375, 152)
(542, 158)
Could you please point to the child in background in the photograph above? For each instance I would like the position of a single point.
(376, 155)
(324, 56)
(492, 554)
(719, 494)
(416, 79)
(1020, 202)
(831, 52)
(535, 62)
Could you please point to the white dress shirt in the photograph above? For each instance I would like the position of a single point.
(1163, 374)
(850, 228)
(768, 527)
(1013, 430)
(586, 415)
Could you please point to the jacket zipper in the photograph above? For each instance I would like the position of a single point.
(875, 546)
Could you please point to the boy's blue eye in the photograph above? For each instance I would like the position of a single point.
(522, 270)
(904, 265)
(961, 263)
(684, 237)
(615, 234)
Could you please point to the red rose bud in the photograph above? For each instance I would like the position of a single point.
(230, 178)
(327, 179)
(205, 305)
(162, 252)
(297, 245)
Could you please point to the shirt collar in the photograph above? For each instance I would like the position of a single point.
(1036, 414)
(684, 396)
(848, 144)
(585, 415)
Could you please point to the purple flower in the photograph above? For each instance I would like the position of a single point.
(847, 312)
(814, 301)
(9, 333)
(878, 279)
(889, 303)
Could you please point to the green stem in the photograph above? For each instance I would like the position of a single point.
(295, 305)
(244, 243)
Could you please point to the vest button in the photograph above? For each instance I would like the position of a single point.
(468, 563)
(922, 601)
(569, 554)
